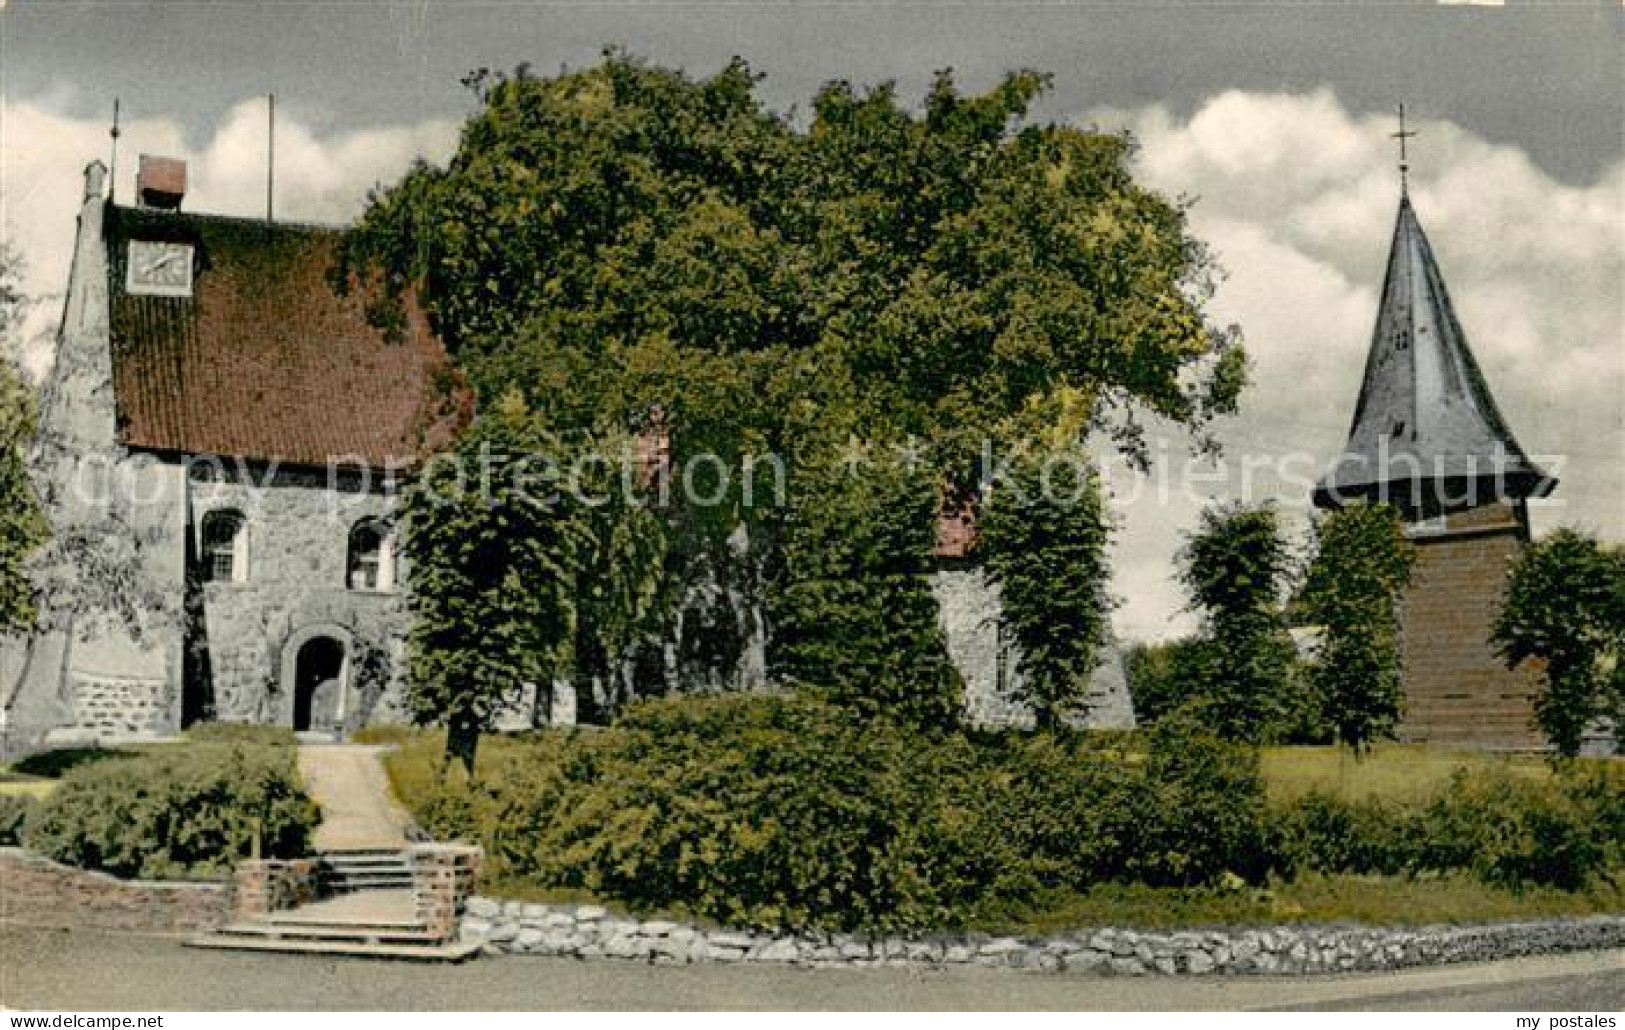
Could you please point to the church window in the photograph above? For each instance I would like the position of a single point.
(225, 546)
(370, 565)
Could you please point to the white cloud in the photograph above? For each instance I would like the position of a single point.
(1297, 198)
(318, 179)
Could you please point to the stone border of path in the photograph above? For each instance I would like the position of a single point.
(592, 932)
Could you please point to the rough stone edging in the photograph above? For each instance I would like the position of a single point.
(590, 932)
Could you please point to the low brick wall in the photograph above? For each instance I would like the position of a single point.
(264, 885)
(590, 931)
(443, 877)
(36, 891)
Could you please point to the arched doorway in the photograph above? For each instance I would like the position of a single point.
(318, 685)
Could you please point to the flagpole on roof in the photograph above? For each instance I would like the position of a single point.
(112, 170)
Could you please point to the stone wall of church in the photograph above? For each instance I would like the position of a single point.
(298, 525)
(968, 607)
(104, 660)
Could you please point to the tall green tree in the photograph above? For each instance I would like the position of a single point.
(1362, 563)
(1565, 606)
(1236, 567)
(22, 525)
(1043, 533)
(490, 538)
(851, 606)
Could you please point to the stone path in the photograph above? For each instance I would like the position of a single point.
(348, 781)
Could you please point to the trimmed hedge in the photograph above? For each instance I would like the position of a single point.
(191, 810)
(782, 811)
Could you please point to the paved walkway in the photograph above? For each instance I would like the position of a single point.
(88, 971)
(348, 781)
(369, 908)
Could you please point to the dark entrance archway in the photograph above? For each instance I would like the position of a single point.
(318, 684)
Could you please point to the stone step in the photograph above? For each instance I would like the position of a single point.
(377, 861)
(452, 951)
(339, 932)
(295, 919)
(377, 869)
(364, 855)
(365, 872)
(352, 886)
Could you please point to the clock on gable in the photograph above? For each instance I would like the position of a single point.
(159, 269)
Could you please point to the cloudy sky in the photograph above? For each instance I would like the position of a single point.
(1274, 116)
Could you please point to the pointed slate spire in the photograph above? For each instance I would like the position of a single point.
(1426, 435)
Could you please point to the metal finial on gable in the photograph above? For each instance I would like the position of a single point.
(1404, 163)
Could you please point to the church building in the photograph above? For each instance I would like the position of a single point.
(1428, 438)
(221, 438)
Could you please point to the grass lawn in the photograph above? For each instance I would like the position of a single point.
(1393, 772)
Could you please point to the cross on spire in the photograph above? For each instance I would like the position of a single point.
(1404, 164)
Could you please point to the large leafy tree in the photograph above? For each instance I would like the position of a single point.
(1362, 563)
(1043, 534)
(622, 237)
(1565, 605)
(1236, 567)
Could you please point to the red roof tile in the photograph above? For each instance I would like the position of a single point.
(265, 360)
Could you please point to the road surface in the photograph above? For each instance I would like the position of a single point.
(87, 971)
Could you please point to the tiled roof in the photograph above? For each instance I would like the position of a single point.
(265, 360)
(1425, 425)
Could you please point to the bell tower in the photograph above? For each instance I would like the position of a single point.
(1428, 438)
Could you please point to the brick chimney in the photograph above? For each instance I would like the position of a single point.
(160, 182)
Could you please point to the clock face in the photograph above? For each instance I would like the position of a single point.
(163, 269)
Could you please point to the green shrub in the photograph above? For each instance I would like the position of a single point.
(175, 811)
(787, 811)
(1513, 832)
(1509, 831)
(772, 813)
(1201, 811)
(1325, 833)
(14, 811)
(241, 733)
